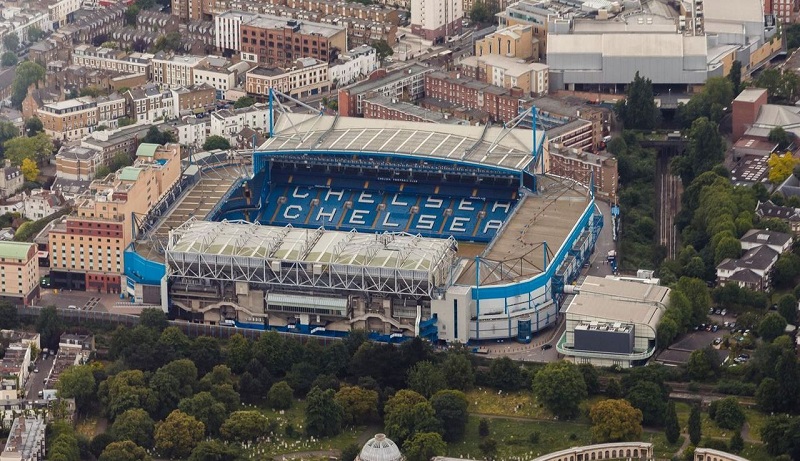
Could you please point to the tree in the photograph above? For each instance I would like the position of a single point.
(479, 13)
(130, 15)
(134, 425)
(155, 136)
(100, 442)
(350, 452)
(37, 148)
(426, 378)
(124, 451)
(169, 42)
(780, 167)
(728, 247)
(280, 396)
(506, 375)
(35, 34)
(205, 353)
(77, 382)
(638, 110)
(174, 345)
(8, 316)
(560, 387)
(407, 413)
(615, 421)
(423, 446)
(737, 442)
(383, 49)
(787, 307)
(33, 126)
(177, 436)
(359, 405)
(613, 389)
(695, 425)
(672, 429)
(125, 390)
(9, 59)
(11, 42)
(771, 326)
(728, 414)
(214, 142)
(152, 317)
(735, 76)
(780, 137)
(244, 101)
(696, 292)
(214, 450)
(786, 269)
(244, 426)
(648, 397)
(323, 414)
(238, 353)
(590, 377)
(29, 169)
(450, 407)
(27, 74)
(206, 409)
(301, 377)
(457, 370)
(706, 150)
(49, 327)
(483, 427)
(702, 364)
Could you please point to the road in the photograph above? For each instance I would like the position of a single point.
(598, 262)
(35, 382)
(668, 194)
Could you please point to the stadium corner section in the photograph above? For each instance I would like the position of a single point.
(517, 310)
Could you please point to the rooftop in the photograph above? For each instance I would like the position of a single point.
(619, 301)
(392, 77)
(268, 21)
(766, 237)
(759, 258)
(623, 289)
(15, 250)
(26, 436)
(416, 111)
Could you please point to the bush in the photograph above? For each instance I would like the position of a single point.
(534, 438)
(731, 387)
(280, 396)
(483, 427)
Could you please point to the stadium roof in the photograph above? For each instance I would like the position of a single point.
(316, 246)
(492, 146)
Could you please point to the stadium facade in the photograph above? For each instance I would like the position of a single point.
(404, 229)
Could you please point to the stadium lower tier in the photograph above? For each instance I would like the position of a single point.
(468, 212)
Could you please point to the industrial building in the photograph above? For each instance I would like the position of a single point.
(612, 322)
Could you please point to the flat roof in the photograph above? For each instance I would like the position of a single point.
(734, 10)
(147, 149)
(750, 94)
(390, 78)
(268, 21)
(613, 309)
(487, 146)
(14, 250)
(636, 291)
(320, 246)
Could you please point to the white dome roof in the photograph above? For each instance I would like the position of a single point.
(380, 448)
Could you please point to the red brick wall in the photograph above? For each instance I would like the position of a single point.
(744, 114)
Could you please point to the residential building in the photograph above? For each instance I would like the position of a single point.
(41, 203)
(87, 248)
(515, 41)
(753, 270)
(435, 20)
(26, 441)
(384, 108)
(61, 12)
(148, 103)
(114, 60)
(78, 163)
(611, 322)
(73, 119)
(91, 24)
(188, 10)
(407, 84)
(191, 131)
(6, 81)
(49, 49)
(274, 41)
(19, 21)
(599, 169)
(353, 66)
(558, 117)
(123, 140)
(307, 77)
(576, 134)
(19, 272)
(227, 27)
(11, 179)
(499, 103)
(175, 71)
(785, 11)
(195, 99)
(789, 215)
(531, 77)
(228, 123)
(156, 21)
(221, 74)
(83, 344)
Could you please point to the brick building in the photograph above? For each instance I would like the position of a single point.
(746, 107)
(384, 108)
(406, 84)
(195, 99)
(75, 118)
(274, 41)
(581, 166)
(501, 104)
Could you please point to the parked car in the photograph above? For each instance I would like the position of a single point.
(724, 312)
(717, 341)
(546, 347)
(718, 311)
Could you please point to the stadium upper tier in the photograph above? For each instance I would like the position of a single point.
(493, 146)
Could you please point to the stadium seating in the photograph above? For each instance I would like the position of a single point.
(466, 211)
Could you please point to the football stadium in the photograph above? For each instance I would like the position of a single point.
(452, 233)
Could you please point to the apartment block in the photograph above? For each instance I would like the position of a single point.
(114, 60)
(176, 70)
(501, 104)
(515, 41)
(785, 11)
(87, 248)
(384, 108)
(274, 41)
(435, 20)
(307, 77)
(353, 66)
(585, 167)
(195, 99)
(148, 103)
(227, 27)
(530, 77)
(78, 163)
(228, 123)
(26, 441)
(534, 13)
(73, 119)
(18, 21)
(220, 73)
(19, 272)
(61, 12)
(406, 84)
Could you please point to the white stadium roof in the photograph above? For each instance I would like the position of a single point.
(490, 146)
(316, 246)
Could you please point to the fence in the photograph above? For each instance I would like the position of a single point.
(82, 317)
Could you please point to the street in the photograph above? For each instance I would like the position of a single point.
(598, 263)
(35, 382)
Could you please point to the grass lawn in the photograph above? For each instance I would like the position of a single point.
(662, 448)
(489, 402)
(710, 428)
(755, 452)
(512, 438)
(281, 443)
